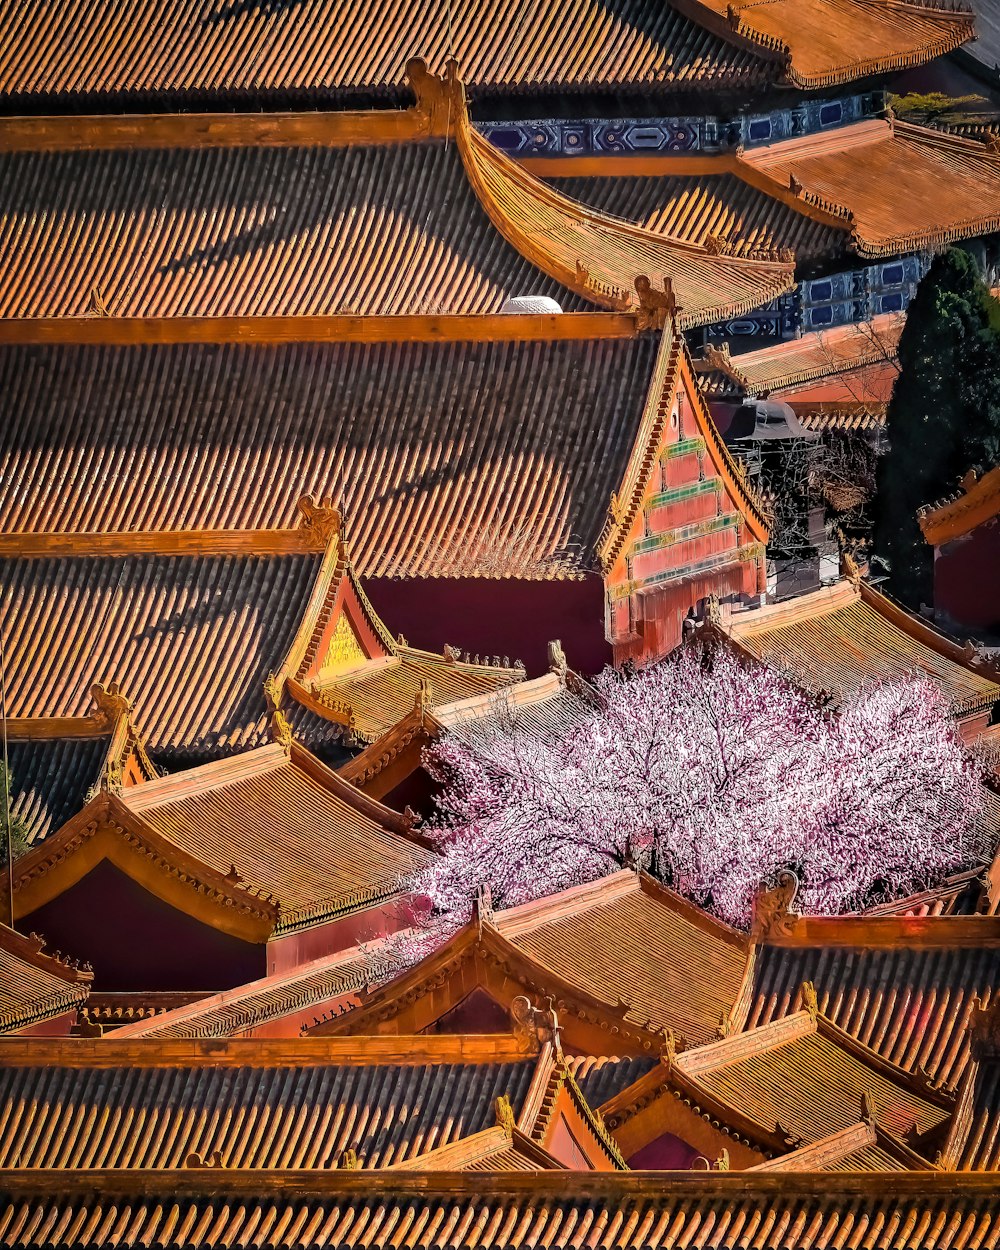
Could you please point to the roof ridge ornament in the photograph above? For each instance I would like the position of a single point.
(655, 306)
(558, 662)
(773, 916)
(322, 521)
(536, 1025)
(109, 703)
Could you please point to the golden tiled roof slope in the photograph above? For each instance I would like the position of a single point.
(836, 640)
(631, 942)
(292, 230)
(977, 503)
(34, 985)
(342, 1209)
(450, 459)
(191, 637)
(704, 208)
(861, 1147)
(910, 1003)
(315, 987)
(161, 51)
(802, 1074)
(345, 665)
(824, 42)
(288, 826)
(321, 214)
(251, 1105)
(818, 356)
(897, 187)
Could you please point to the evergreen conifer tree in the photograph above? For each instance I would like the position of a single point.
(944, 415)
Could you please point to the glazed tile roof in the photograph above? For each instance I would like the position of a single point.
(985, 48)
(290, 827)
(977, 503)
(898, 187)
(317, 985)
(161, 51)
(912, 1006)
(448, 459)
(979, 1149)
(254, 231)
(844, 352)
(837, 640)
(832, 41)
(603, 938)
(262, 1115)
(190, 637)
(702, 208)
(731, 1211)
(601, 1078)
(851, 416)
(34, 985)
(861, 1147)
(52, 778)
(798, 1074)
(599, 254)
(379, 695)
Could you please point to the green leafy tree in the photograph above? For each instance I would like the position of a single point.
(19, 841)
(944, 414)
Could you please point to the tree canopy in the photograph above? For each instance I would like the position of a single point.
(715, 775)
(944, 414)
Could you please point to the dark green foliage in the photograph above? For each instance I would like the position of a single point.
(18, 827)
(944, 415)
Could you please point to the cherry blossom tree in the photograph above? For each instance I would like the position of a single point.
(715, 775)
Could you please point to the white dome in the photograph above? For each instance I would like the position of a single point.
(531, 304)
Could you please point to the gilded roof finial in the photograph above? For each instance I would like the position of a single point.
(504, 1113)
(810, 1002)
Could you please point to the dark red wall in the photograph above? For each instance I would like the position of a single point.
(967, 578)
(666, 1153)
(137, 942)
(513, 618)
(300, 947)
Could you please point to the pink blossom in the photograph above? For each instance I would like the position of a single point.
(715, 775)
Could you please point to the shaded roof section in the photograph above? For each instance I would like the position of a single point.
(797, 1073)
(254, 231)
(450, 459)
(34, 985)
(288, 826)
(913, 1006)
(311, 215)
(316, 51)
(897, 187)
(727, 1211)
(707, 209)
(984, 50)
(824, 42)
(838, 639)
(633, 943)
(191, 638)
(51, 779)
(977, 503)
(321, 52)
(315, 1111)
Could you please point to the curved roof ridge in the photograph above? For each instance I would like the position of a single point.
(599, 256)
(975, 503)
